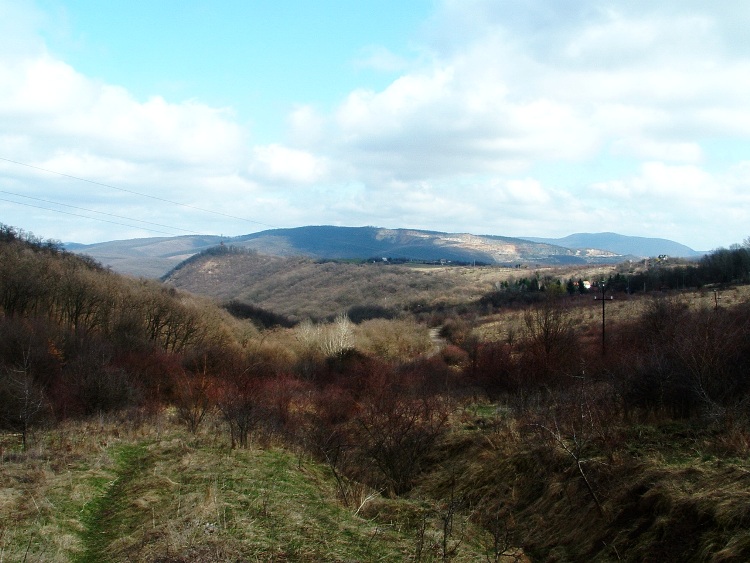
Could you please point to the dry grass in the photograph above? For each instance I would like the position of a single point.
(115, 491)
(124, 489)
(586, 313)
(666, 493)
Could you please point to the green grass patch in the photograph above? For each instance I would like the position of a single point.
(174, 497)
(113, 515)
(87, 493)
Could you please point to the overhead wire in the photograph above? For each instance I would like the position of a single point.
(85, 216)
(94, 211)
(141, 194)
(133, 192)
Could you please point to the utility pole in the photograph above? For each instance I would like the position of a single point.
(603, 288)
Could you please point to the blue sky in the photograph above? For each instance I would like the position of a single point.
(259, 57)
(505, 117)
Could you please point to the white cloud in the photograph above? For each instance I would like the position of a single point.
(528, 192)
(648, 149)
(279, 164)
(519, 86)
(54, 118)
(686, 201)
(659, 184)
(504, 101)
(65, 111)
(307, 126)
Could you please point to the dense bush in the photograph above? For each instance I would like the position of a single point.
(396, 340)
(688, 362)
(259, 316)
(360, 313)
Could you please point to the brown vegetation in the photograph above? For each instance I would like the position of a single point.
(302, 288)
(515, 425)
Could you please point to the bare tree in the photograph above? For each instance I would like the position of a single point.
(550, 329)
(397, 433)
(337, 337)
(239, 400)
(551, 343)
(193, 396)
(23, 400)
(573, 429)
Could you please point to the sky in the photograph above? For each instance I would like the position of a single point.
(541, 118)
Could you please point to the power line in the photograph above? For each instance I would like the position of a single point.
(138, 193)
(130, 192)
(94, 211)
(86, 217)
(110, 186)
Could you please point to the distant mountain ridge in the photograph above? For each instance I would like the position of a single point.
(154, 257)
(146, 257)
(328, 242)
(642, 247)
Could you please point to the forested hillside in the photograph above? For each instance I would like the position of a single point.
(303, 288)
(146, 423)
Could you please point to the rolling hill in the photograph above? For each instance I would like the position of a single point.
(299, 287)
(642, 247)
(372, 242)
(153, 257)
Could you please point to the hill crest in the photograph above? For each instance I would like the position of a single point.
(642, 247)
(154, 257)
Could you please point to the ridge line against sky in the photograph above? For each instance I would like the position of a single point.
(512, 118)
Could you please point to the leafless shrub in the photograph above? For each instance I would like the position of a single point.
(23, 402)
(239, 403)
(391, 340)
(95, 383)
(500, 527)
(193, 396)
(551, 343)
(396, 434)
(688, 362)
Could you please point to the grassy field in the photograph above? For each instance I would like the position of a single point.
(145, 490)
(118, 491)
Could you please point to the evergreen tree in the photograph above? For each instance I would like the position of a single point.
(570, 287)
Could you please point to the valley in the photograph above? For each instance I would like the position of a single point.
(283, 408)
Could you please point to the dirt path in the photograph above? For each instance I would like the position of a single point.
(438, 342)
(106, 518)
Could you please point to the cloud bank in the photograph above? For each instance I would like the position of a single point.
(514, 118)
